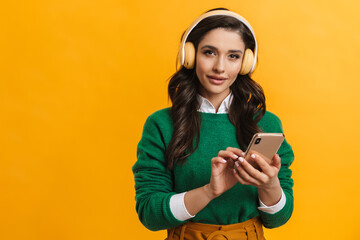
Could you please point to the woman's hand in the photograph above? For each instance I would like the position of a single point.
(222, 175)
(222, 179)
(266, 179)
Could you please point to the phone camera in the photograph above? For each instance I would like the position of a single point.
(257, 141)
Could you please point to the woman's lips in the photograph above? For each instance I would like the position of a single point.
(216, 79)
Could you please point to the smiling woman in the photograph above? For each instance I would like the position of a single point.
(191, 176)
(218, 63)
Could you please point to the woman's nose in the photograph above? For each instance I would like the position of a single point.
(219, 65)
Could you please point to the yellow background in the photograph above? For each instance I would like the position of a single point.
(78, 79)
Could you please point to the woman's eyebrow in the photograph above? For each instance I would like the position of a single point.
(235, 51)
(214, 48)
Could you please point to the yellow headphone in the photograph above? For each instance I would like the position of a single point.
(186, 56)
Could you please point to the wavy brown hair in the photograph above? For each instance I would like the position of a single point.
(247, 107)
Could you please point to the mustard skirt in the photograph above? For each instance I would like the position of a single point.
(249, 230)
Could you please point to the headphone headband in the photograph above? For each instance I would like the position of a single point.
(181, 57)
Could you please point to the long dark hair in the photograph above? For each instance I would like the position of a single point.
(247, 107)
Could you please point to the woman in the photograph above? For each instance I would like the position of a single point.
(191, 176)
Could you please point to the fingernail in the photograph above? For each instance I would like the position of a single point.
(252, 155)
(234, 170)
(243, 154)
(223, 160)
(236, 163)
(241, 159)
(236, 156)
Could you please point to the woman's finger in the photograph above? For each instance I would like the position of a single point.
(244, 174)
(255, 174)
(277, 161)
(218, 164)
(236, 151)
(228, 154)
(239, 179)
(216, 160)
(262, 163)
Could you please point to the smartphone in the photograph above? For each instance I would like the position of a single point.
(264, 144)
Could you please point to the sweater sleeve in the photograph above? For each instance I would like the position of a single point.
(153, 181)
(287, 157)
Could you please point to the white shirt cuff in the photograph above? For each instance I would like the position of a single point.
(177, 207)
(274, 208)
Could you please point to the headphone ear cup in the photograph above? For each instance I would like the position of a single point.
(247, 62)
(189, 58)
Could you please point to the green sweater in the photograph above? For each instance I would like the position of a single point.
(155, 184)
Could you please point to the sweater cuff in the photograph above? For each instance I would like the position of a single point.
(274, 208)
(177, 207)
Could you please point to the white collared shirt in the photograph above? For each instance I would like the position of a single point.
(207, 107)
(177, 202)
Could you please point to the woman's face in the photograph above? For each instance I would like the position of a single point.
(218, 62)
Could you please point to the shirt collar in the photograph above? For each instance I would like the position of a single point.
(207, 107)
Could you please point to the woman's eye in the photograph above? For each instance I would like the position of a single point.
(234, 56)
(208, 52)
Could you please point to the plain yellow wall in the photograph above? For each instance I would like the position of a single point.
(78, 79)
